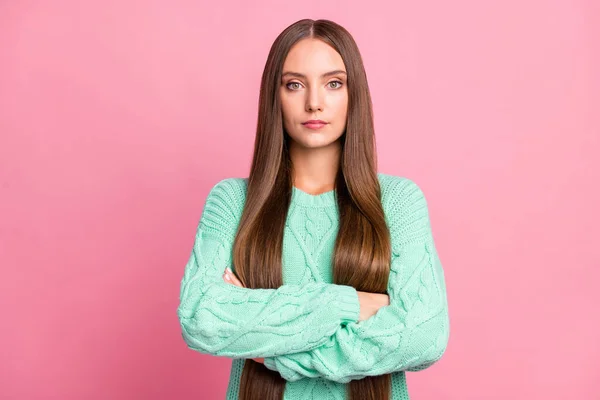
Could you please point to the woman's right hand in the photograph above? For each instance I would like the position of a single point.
(370, 303)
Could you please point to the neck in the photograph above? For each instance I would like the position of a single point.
(314, 169)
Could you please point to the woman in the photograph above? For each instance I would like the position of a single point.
(316, 274)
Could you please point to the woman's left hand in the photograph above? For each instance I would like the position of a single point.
(229, 277)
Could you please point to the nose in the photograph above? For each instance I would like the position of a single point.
(314, 101)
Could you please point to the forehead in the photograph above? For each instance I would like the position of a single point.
(312, 56)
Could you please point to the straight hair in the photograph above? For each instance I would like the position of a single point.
(362, 248)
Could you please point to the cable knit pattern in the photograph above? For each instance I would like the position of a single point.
(308, 328)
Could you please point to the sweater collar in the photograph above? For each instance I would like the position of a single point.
(325, 199)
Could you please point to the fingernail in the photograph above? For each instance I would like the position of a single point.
(228, 269)
(227, 277)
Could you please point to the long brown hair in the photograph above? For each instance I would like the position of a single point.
(362, 248)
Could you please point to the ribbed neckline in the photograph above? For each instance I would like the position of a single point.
(324, 199)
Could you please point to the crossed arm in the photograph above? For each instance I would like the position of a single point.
(411, 333)
(313, 330)
(408, 335)
(224, 320)
(370, 303)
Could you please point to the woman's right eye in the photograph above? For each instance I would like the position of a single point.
(292, 83)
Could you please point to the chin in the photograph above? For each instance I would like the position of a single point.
(317, 144)
(311, 140)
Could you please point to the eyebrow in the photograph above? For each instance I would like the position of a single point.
(326, 74)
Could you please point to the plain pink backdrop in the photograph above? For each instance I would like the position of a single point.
(117, 117)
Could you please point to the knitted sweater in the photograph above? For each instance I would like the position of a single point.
(308, 329)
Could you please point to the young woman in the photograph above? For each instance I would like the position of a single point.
(316, 274)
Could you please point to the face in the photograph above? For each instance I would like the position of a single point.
(313, 87)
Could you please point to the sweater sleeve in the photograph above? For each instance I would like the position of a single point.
(222, 319)
(412, 332)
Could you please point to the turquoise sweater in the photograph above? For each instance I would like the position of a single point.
(308, 329)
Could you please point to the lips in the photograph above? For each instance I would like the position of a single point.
(314, 124)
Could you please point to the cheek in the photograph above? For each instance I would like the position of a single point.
(340, 101)
(287, 112)
(342, 109)
(286, 107)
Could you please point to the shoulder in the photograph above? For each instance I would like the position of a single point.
(229, 189)
(399, 192)
(405, 206)
(226, 199)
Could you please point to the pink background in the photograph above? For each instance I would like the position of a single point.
(116, 118)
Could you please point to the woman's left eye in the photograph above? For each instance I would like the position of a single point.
(338, 82)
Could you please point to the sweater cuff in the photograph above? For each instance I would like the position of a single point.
(269, 362)
(348, 304)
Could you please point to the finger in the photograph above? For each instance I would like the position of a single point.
(230, 277)
(227, 278)
(235, 279)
